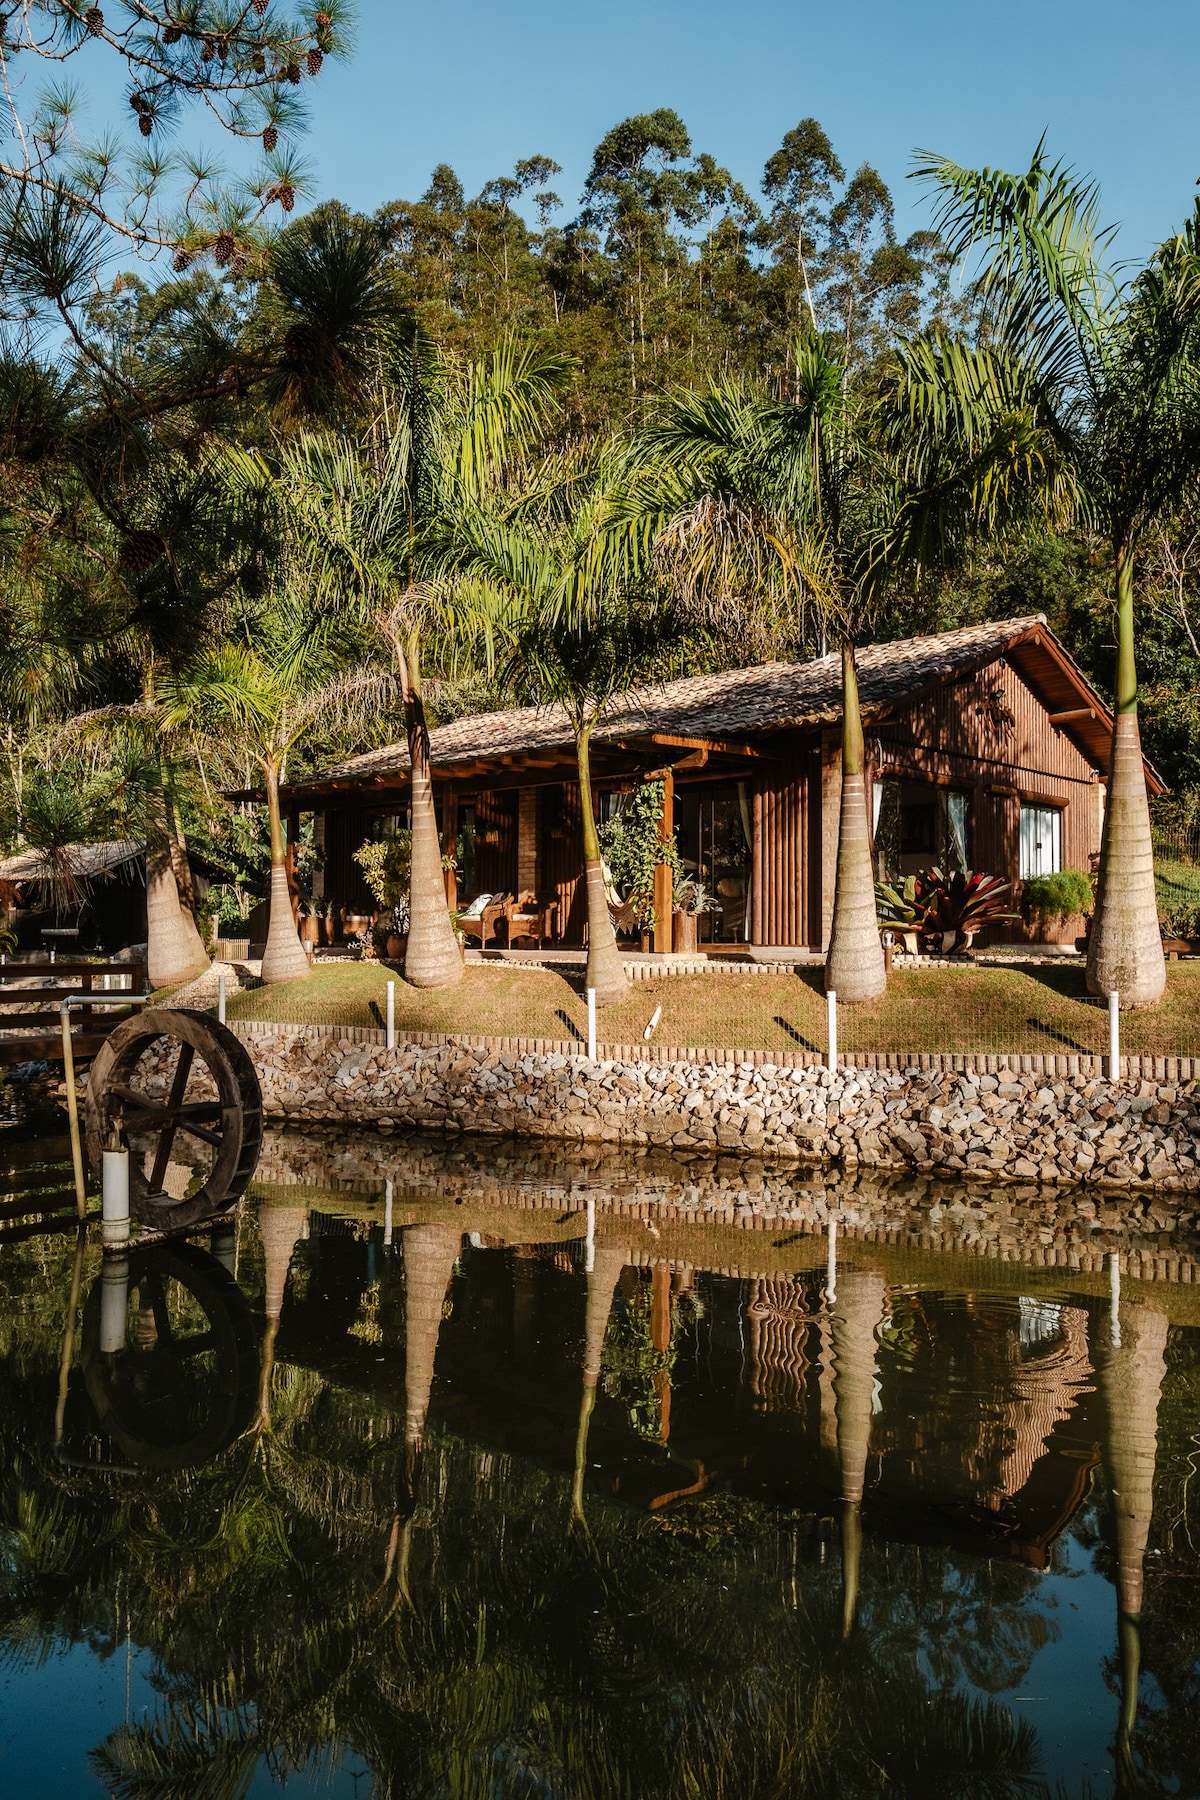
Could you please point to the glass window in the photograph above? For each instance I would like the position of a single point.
(918, 825)
(1041, 841)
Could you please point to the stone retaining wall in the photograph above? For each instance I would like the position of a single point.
(1025, 1126)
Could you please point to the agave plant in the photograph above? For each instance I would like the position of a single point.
(961, 905)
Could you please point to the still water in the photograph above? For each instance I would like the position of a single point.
(486, 1472)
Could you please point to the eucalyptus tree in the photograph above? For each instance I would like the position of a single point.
(1106, 370)
(374, 521)
(264, 697)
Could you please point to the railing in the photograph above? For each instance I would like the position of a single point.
(31, 994)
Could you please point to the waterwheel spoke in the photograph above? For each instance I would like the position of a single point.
(154, 1112)
(199, 1131)
(183, 1069)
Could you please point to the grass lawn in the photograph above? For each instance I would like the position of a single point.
(962, 1009)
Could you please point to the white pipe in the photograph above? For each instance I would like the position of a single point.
(114, 1196)
(114, 1303)
(589, 1242)
(652, 1027)
(831, 1014)
(390, 1033)
(591, 1043)
(1114, 1298)
(831, 1261)
(387, 1213)
(1114, 1036)
(220, 993)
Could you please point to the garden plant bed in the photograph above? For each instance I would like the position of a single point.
(1040, 1009)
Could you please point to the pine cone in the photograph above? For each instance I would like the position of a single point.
(260, 6)
(223, 50)
(93, 18)
(270, 138)
(224, 246)
(207, 51)
(258, 63)
(181, 260)
(322, 21)
(293, 73)
(145, 124)
(314, 60)
(171, 34)
(286, 196)
(139, 550)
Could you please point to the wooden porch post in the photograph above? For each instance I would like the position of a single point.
(663, 880)
(293, 838)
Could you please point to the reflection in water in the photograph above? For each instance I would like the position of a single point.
(538, 1502)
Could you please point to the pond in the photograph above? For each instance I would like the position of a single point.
(485, 1471)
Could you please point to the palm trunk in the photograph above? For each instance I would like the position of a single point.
(858, 1314)
(1125, 950)
(602, 1279)
(174, 953)
(604, 971)
(1131, 1376)
(433, 957)
(284, 958)
(854, 967)
(182, 868)
(430, 1253)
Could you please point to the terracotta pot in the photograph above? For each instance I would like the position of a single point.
(396, 946)
(685, 934)
(310, 930)
(646, 943)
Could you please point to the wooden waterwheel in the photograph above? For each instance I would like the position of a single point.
(181, 1093)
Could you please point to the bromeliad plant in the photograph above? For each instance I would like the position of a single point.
(903, 907)
(961, 905)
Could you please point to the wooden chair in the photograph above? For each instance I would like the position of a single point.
(479, 920)
(532, 916)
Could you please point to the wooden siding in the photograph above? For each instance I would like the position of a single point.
(779, 884)
(345, 830)
(560, 857)
(495, 840)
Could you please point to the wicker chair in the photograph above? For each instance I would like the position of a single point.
(532, 916)
(480, 918)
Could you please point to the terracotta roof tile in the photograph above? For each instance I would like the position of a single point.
(737, 703)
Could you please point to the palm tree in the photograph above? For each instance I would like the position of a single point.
(374, 522)
(264, 699)
(1107, 371)
(574, 557)
(790, 495)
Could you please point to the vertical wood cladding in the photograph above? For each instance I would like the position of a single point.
(495, 841)
(779, 900)
(560, 857)
(345, 831)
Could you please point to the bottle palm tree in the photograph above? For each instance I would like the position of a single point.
(1108, 371)
(374, 522)
(788, 496)
(266, 698)
(586, 628)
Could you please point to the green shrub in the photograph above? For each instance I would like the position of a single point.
(1182, 920)
(630, 846)
(1050, 898)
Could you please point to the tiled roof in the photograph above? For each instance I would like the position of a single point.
(739, 703)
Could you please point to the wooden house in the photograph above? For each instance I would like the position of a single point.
(987, 745)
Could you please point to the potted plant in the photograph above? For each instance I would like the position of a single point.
(961, 905)
(387, 869)
(1048, 900)
(1180, 927)
(689, 899)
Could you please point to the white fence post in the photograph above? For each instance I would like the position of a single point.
(591, 1043)
(1114, 1036)
(831, 1011)
(220, 993)
(1114, 1297)
(388, 1194)
(589, 1242)
(390, 1034)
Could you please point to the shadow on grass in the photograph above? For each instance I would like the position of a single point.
(572, 1028)
(1040, 1029)
(795, 1036)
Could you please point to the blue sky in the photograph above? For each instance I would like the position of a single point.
(480, 83)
